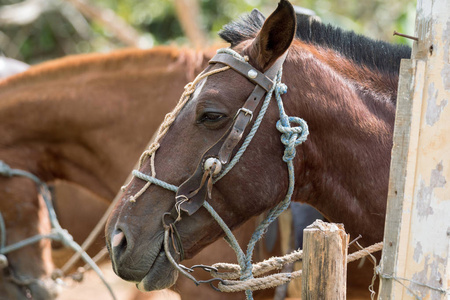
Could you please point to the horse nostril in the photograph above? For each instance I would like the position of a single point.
(118, 238)
(118, 242)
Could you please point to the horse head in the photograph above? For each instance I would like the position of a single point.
(26, 269)
(135, 230)
(202, 178)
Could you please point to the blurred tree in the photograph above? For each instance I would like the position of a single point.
(38, 30)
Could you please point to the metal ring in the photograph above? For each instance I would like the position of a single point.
(164, 223)
(189, 270)
(210, 281)
(205, 268)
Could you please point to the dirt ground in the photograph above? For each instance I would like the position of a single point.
(92, 288)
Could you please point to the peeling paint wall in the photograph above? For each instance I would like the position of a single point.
(419, 232)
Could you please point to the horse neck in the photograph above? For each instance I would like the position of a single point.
(87, 119)
(381, 84)
(343, 168)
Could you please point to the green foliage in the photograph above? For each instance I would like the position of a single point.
(54, 34)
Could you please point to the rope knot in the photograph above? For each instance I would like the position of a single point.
(292, 136)
(152, 148)
(188, 87)
(169, 117)
(5, 170)
(281, 88)
(247, 273)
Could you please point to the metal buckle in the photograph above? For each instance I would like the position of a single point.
(245, 111)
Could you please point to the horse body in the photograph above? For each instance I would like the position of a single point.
(76, 119)
(341, 84)
(79, 125)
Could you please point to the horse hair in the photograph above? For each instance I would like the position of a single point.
(375, 54)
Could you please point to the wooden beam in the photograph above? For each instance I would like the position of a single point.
(324, 261)
(415, 262)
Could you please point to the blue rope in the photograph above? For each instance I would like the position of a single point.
(290, 137)
(231, 239)
(156, 181)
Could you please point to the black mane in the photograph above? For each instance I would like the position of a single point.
(374, 54)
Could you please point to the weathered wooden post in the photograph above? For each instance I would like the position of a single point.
(324, 261)
(415, 262)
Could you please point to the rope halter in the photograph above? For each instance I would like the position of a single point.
(215, 162)
(57, 233)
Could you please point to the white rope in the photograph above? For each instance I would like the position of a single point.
(232, 271)
(273, 280)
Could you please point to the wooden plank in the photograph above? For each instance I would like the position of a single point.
(404, 154)
(415, 262)
(324, 261)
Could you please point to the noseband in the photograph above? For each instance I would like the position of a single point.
(215, 162)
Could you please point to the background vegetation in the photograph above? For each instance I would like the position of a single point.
(39, 30)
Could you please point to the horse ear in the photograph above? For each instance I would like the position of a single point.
(275, 37)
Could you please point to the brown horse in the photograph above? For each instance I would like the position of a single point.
(57, 123)
(342, 84)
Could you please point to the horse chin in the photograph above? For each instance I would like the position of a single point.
(162, 275)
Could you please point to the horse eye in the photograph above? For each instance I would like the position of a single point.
(211, 117)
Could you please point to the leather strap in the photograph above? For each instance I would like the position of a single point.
(243, 68)
(225, 146)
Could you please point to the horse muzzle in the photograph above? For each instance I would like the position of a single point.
(142, 262)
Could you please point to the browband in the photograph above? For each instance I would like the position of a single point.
(195, 188)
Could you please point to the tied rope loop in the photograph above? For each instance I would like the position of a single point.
(291, 137)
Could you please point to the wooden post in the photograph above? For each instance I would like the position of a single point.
(188, 12)
(324, 261)
(415, 262)
(112, 22)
